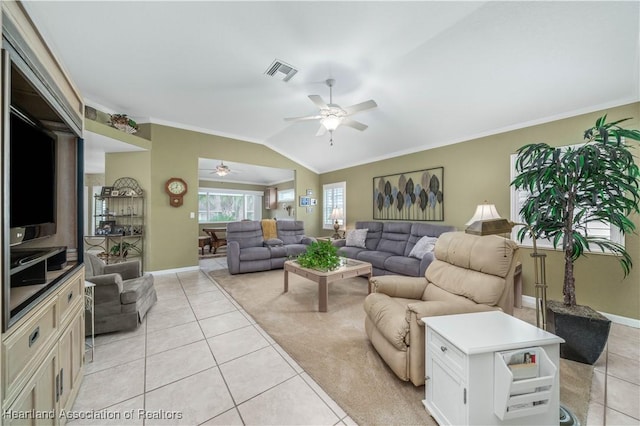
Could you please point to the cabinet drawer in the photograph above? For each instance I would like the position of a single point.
(26, 345)
(446, 351)
(69, 296)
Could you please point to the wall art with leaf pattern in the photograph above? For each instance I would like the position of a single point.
(413, 195)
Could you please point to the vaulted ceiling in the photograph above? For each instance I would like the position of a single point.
(440, 72)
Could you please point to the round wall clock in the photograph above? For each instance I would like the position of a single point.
(175, 188)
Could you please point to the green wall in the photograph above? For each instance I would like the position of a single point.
(479, 170)
(136, 165)
(175, 153)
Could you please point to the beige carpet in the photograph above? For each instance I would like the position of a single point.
(333, 347)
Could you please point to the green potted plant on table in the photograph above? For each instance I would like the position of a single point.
(570, 188)
(320, 255)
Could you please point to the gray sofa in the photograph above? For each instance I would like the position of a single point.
(388, 245)
(248, 251)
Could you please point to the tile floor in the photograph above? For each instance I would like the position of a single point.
(199, 359)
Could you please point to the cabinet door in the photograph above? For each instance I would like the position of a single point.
(270, 201)
(71, 353)
(39, 396)
(446, 393)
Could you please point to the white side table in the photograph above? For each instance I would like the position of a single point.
(468, 381)
(89, 294)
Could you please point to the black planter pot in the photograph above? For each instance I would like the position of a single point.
(584, 330)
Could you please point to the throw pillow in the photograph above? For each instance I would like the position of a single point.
(423, 246)
(357, 238)
(273, 242)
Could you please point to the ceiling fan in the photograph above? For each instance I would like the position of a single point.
(333, 115)
(221, 169)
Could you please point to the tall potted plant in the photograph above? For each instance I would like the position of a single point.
(570, 188)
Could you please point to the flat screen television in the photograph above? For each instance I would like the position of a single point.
(32, 179)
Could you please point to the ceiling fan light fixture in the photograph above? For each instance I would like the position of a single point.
(222, 169)
(332, 115)
(331, 122)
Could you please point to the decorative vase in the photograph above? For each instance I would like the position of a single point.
(584, 330)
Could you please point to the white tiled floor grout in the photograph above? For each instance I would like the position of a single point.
(218, 404)
(321, 407)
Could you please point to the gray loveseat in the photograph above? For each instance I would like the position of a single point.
(248, 251)
(388, 245)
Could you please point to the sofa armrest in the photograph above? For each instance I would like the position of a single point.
(128, 270)
(233, 257)
(425, 262)
(108, 288)
(431, 308)
(399, 286)
(339, 243)
(308, 240)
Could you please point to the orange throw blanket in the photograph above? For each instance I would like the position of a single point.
(269, 229)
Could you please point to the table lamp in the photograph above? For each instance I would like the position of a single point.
(336, 216)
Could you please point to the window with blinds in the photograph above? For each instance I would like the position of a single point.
(334, 195)
(518, 197)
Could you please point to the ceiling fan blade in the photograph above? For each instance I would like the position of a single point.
(360, 107)
(321, 131)
(355, 124)
(317, 99)
(308, 117)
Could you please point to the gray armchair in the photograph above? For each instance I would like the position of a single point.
(122, 297)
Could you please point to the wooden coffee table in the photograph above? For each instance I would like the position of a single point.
(351, 268)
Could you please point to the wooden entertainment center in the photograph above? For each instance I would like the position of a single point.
(43, 296)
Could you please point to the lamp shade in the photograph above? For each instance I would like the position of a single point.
(336, 214)
(487, 221)
(484, 212)
(489, 227)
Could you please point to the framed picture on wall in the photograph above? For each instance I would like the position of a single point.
(413, 195)
(305, 201)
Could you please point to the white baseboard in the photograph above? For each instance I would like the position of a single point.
(530, 302)
(175, 271)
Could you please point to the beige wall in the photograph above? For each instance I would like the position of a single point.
(175, 152)
(136, 165)
(478, 170)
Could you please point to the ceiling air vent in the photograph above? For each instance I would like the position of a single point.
(281, 69)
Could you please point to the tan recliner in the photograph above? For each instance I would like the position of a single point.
(470, 274)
